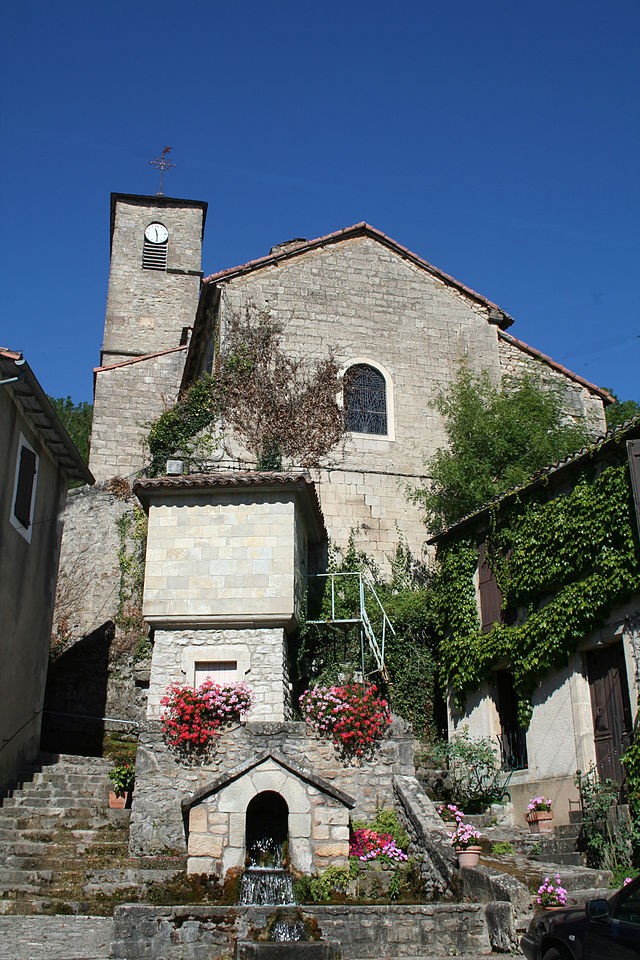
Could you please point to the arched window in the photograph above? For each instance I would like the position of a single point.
(365, 400)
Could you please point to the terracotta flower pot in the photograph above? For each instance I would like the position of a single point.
(540, 821)
(468, 856)
(119, 803)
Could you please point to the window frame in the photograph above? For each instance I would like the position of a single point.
(389, 433)
(25, 530)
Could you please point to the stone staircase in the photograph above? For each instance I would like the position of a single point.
(63, 851)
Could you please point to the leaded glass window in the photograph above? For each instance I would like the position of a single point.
(365, 400)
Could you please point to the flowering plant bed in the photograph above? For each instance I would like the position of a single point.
(368, 845)
(192, 718)
(352, 715)
(550, 894)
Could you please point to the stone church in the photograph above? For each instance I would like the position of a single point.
(228, 551)
(400, 326)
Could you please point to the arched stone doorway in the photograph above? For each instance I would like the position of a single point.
(267, 828)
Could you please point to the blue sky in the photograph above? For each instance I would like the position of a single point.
(499, 141)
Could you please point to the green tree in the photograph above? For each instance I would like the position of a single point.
(620, 411)
(76, 418)
(498, 438)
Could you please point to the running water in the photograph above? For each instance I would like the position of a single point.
(266, 881)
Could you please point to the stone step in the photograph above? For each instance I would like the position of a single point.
(562, 859)
(11, 875)
(47, 802)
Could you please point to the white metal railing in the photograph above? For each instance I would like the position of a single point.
(366, 590)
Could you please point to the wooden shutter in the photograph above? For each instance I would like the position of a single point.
(490, 595)
(24, 490)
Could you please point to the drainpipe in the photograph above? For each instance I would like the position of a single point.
(21, 375)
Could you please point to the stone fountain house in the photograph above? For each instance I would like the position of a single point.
(226, 570)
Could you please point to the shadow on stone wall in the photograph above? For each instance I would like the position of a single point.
(76, 695)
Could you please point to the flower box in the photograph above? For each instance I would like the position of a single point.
(540, 821)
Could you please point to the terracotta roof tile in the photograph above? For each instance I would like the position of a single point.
(235, 478)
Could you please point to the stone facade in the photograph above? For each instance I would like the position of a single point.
(220, 555)
(368, 301)
(317, 818)
(226, 565)
(164, 783)
(259, 656)
(128, 396)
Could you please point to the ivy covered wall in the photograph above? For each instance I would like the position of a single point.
(565, 553)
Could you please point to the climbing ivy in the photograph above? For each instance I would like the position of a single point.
(563, 562)
(175, 430)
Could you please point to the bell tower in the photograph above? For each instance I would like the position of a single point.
(154, 284)
(154, 280)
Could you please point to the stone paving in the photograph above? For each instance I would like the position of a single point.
(55, 938)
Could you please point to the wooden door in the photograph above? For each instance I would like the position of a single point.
(611, 709)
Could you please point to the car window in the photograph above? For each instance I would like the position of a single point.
(628, 906)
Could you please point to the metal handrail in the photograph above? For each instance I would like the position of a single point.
(365, 583)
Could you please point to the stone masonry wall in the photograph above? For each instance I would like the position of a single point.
(210, 933)
(127, 399)
(217, 557)
(367, 304)
(579, 402)
(147, 309)
(162, 782)
(259, 653)
(88, 578)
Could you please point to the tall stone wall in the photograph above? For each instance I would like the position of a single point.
(147, 309)
(366, 304)
(162, 782)
(128, 398)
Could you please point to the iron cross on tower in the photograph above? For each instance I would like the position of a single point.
(163, 163)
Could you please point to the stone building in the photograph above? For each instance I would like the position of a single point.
(584, 706)
(38, 460)
(228, 550)
(397, 325)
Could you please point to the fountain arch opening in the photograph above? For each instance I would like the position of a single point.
(267, 829)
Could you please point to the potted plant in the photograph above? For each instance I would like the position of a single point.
(122, 775)
(466, 843)
(551, 896)
(539, 815)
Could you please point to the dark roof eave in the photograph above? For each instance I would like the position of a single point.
(65, 450)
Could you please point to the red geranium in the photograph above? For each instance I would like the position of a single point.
(353, 715)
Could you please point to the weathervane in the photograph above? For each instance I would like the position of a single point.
(163, 164)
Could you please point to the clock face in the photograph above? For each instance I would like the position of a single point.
(156, 233)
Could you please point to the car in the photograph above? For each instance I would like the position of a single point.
(600, 930)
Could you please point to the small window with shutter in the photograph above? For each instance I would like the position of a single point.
(490, 594)
(24, 490)
(222, 672)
